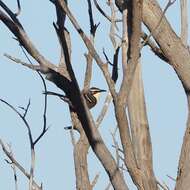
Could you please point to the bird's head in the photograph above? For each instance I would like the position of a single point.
(96, 92)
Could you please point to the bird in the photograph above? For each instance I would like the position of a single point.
(91, 96)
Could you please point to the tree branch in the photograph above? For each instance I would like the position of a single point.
(89, 58)
(30, 140)
(156, 29)
(10, 13)
(184, 21)
(13, 160)
(91, 48)
(19, 8)
(103, 12)
(13, 167)
(139, 126)
(154, 47)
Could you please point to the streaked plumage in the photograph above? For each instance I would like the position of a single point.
(91, 96)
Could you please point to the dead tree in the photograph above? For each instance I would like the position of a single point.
(128, 101)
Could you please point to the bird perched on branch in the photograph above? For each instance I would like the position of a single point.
(91, 96)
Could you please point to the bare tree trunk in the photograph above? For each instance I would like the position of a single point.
(142, 176)
(140, 130)
(80, 152)
(81, 166)
(183, 177)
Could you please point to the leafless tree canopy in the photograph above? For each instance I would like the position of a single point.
(126, 18)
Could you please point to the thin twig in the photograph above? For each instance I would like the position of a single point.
(184, 21)
(13, 167)
(116, 145)
(44, 129)
(113, 25)
(23, 119)
(172, 178)
(103, 12)
(26, 110)
(17, 164)
(109, 97)
(89, 58)
(15, 176)
(166, 186)
(10, 13)
(93, 26)
(115, 65)
(154, 47)
(162, 186)
(30, 140)
(122, 167)
(19, 8)
(32, 167)
(106, 57)
(16, 60)
(104, 109)
(119, 149)
(108, 186)
(61, 96)
(95, 180)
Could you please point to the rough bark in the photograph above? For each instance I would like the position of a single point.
(140, 130)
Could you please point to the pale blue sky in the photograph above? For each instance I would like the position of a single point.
(166, 102)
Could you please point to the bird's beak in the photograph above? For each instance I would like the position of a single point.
(101, 90)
